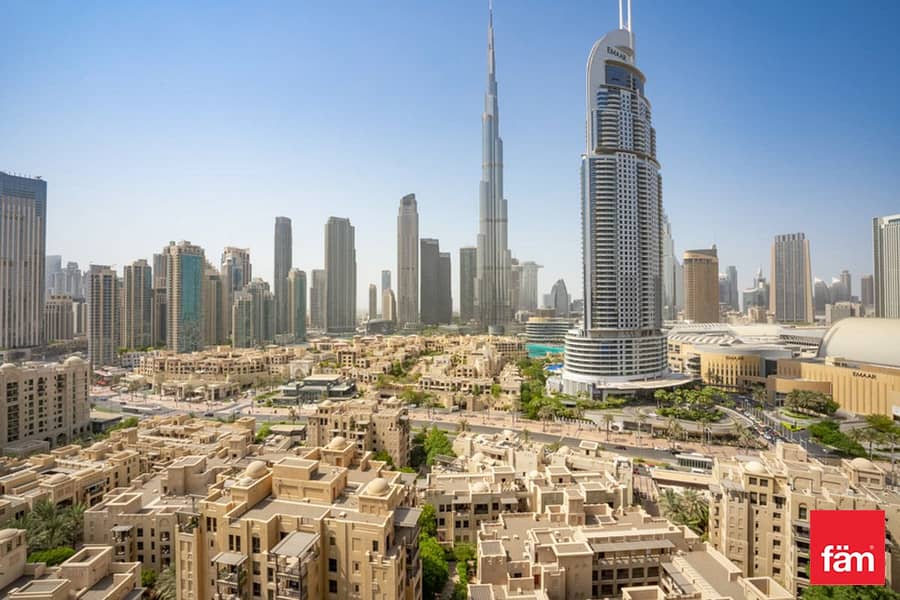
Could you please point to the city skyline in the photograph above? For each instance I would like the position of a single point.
(84, 187)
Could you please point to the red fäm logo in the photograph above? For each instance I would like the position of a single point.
(846, 547)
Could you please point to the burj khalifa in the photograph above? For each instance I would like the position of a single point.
(492, 277)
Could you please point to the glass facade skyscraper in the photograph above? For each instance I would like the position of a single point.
(621, 339)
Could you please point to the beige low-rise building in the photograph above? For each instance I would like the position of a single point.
(140, 522)
(331, 523)
(371, 424)
(760, 508)
(44, 405)
(92, 573)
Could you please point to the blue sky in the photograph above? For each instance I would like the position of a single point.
(204, 120)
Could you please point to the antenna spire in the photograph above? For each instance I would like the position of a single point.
(629, 15)
(621, 22)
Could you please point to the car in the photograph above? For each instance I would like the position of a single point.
(620, 447)
(208, 414)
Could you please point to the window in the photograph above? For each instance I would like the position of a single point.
(332, 541)
(332, 565)
(332, 586)
(374, 545)
(140, 531)
(257, 588)
(803, 512)
(254, 544)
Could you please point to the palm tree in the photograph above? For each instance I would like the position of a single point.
(164, 588)
(292, 413)
(641, 419)
(674, 430)
(462, 425)
(544, 414)
(607, 421)
(670, 505)
(74, 517)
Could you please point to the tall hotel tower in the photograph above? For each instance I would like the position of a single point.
(621, 209)
(492, 295)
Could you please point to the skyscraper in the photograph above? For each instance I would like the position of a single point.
(731, 276)
(701, 286)
(340, 271)
(468, 261)
(297, 304)
(103, 315)
(621, 205)
(758, 294)
(867, 290)
(791, 289)
(408, 261)
(445, 290)
(254, 315)
(137, 305)
(59, 318)
(846, 286)
(389, 306)
(559, 299)
(385, 280)
(23, 235)
(283, 261)
(317, 299)
(185, 268)
(821, 296)
(429, 255)
(492, 278)
(373, 301)
(886, 242)
(236, 272)
(528, 299)
(672, 287)
(52, 271)
(213, 306)
(159, 270)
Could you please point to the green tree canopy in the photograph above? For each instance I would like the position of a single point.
(435, 571)
(846, 592)
(428, 521)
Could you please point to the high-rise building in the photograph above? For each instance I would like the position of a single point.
(621, 339)
(791, 289)
(23, 241)
(297, 303)
(389, 306)
(821, 296)
(886, 242)
(435, 283)
(213, 306)
(317, 299)
(846, 286)
(59, 319)
(758, 295)
(701, 286)
(559, 299)
(137, 306)
(734, 300)
(253, 315)
(68, 281)
(492, 278)
(672, 300)
(867, 291)
(80, 310)
(340, 271)
(528, 295)
(373, 301)
(185, 268)
(468, 262)
(103, 315)
(158, 316)
(283, 261)
(159, 270)
(52, 272)
(385, 280)
(236, 272)
(408, 261)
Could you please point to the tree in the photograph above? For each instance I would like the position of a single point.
(495, 390)
(641, 419)
(437, 443)
(384, 456)
(165, 585)
(674, 431)
(428, 521)
(264, 431)
(607, 422)
(545, 413)
(689, 508)
(148, 578)
(846, 592)
(435, 571)
(888, 431)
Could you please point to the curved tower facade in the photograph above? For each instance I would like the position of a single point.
(621, 339)
(493, 264)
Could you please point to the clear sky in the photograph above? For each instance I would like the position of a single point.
(158, 121)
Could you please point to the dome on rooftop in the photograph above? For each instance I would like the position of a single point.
(755, 467)
(8, 367)
(56, 479)
(377, 487)
(564, 450)
(73, 361)
(256, 469)
(869, 341)
(863, 464)
(480, 487)
(337, 443)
